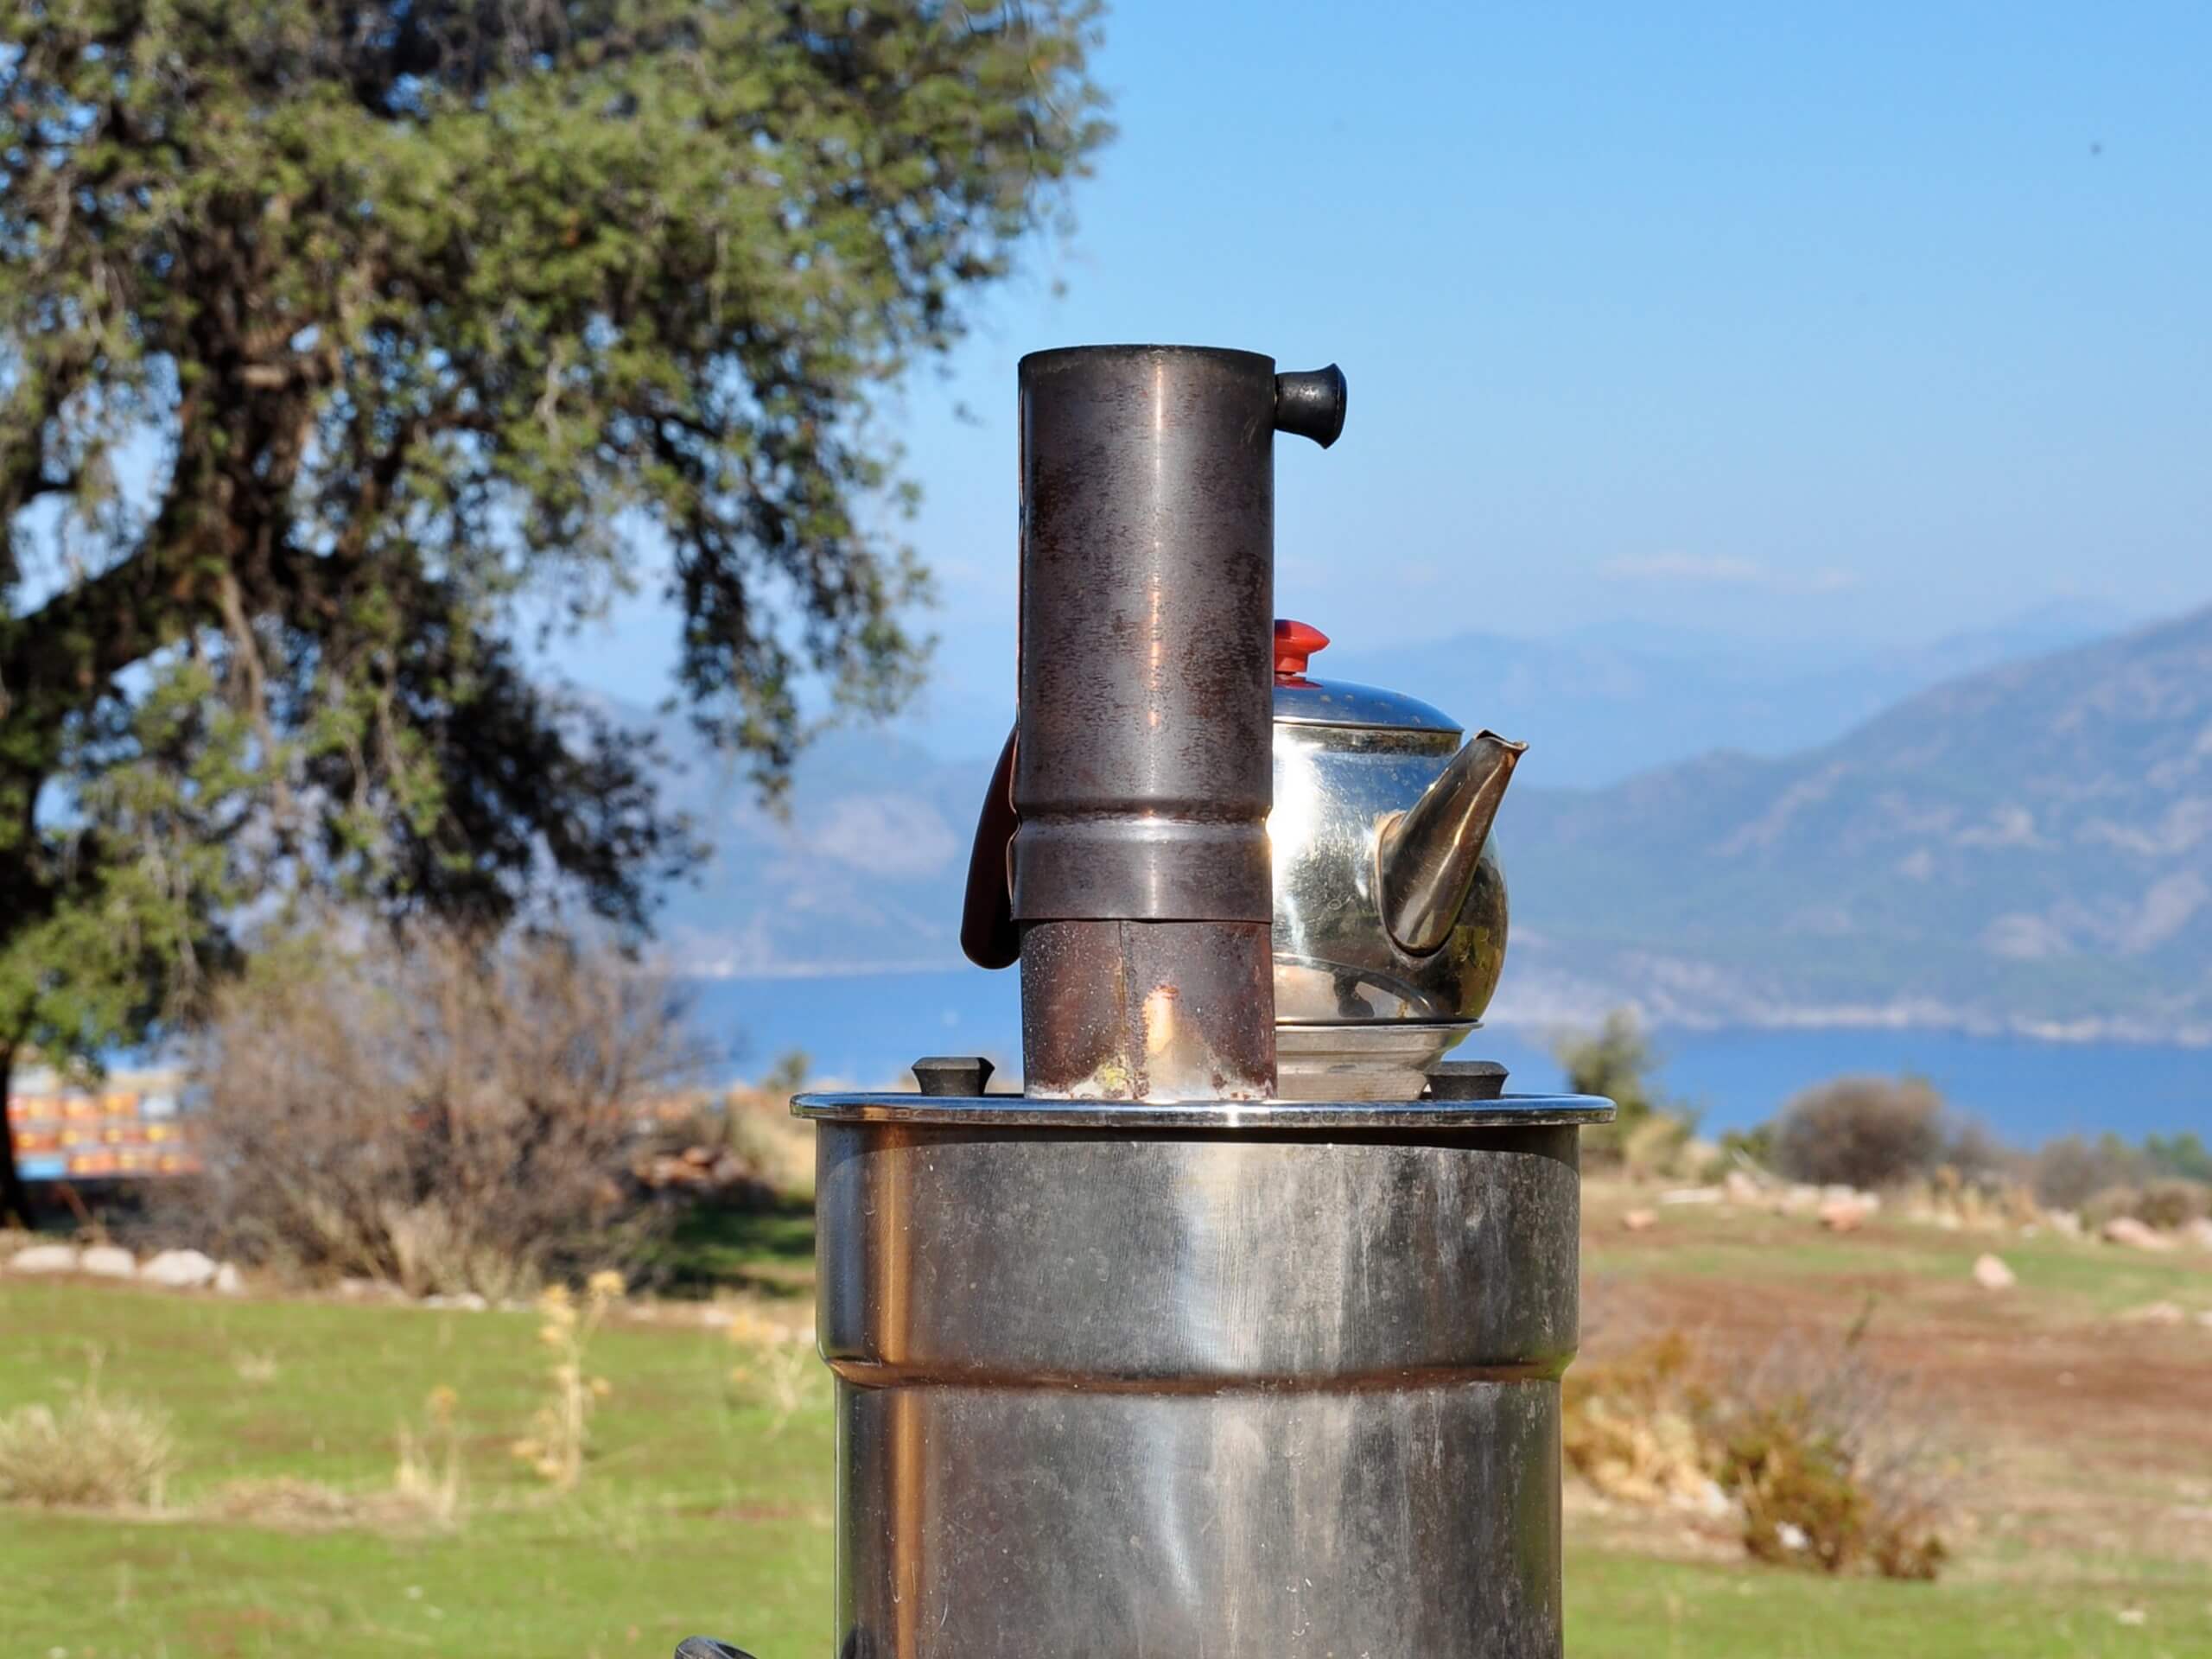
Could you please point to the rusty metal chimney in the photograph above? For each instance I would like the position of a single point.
(1142, 756)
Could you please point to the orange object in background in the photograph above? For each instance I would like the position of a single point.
(93, 1163)
(79, 1106)
(124, 1104)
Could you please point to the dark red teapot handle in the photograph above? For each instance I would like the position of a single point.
(987, 936)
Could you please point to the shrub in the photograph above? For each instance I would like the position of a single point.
(442, 1113)
(2070, 1171)
(2173, 1203)
(94, 1453)
(2156, 1204)
(1831, 1463)
(1836, 1464)
(1861, 1132)
(2183, 1155)
(1632, 1427)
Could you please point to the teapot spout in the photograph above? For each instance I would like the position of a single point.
(1427, 856)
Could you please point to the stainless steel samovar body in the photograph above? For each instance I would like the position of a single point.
(1115, 1380)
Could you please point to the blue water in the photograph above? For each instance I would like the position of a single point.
(862, 1032)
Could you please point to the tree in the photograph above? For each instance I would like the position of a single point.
(420, 314)
(1618, 1062)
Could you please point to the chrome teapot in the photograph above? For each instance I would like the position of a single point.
(1389, 915)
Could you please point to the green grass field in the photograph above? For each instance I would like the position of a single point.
(707, 1503)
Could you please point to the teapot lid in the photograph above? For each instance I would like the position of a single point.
(1301, 700)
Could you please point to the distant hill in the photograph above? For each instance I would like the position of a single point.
(862, 875)
(2026, 848)
(1602, 704)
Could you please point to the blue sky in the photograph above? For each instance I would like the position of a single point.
(1820, 326)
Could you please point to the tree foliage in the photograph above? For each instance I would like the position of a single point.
(416, 317)
(1618, 1062)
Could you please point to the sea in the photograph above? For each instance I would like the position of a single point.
(862, 1031)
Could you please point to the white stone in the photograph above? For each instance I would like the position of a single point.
(179, 1270)
(2156, 1313)
(108, 1262)
(1740, 1188)
(1692, 1195)
(229, 1281)
(2199, 1233)
(1991, 1273)
(468, 1301)
(1792, 1535)
(45, 1258)
(2066, 1222)
(2125, 1230)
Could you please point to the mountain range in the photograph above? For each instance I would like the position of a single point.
(2025, 847)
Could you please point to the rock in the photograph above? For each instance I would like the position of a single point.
(45, 1258)
(1844, 1215)
(2137, 1236)
(467, 1302)
(1791, 1534)
(2065, 1222)
(1738, 1187)
(180, 1270)
(2156, 1313)
(1640, 1221)
(1692, 1195)
(108, 1262)
(229, 1281)
(1992, 1273)
(2199, 1233)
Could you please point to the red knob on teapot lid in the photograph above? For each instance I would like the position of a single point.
(1295, 643)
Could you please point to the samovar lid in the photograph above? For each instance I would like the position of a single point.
(1302, 701)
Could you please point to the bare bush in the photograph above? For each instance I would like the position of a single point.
(1862, 1132)
(2168, 1204)
(2070, 1171)
(93, 1452)
(1830, 1462)
(1836, 1463)
(433, 1111)
(2173, 1203)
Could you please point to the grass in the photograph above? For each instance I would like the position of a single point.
(706, 1505)
(769, 1248)
(1620, 1605)
(700, 1510)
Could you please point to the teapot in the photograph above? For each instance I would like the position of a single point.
(1389, 906)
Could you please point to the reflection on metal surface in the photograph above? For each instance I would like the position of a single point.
(1388, 1059)
(1428, 855)
(1335, 960)
(1249, 1391)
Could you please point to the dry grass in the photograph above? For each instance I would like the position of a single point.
(93, 1452)
(780, 1367)
(561, 1433)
